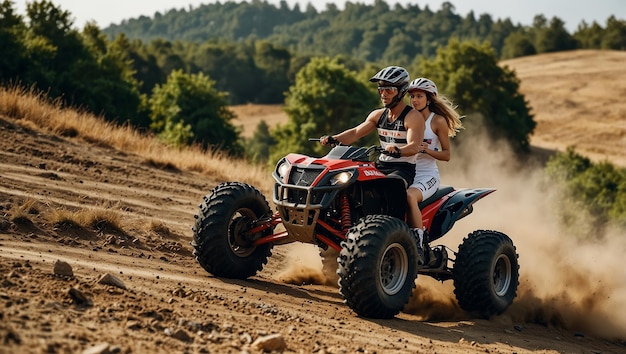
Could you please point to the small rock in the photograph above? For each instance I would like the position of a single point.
(134, 325)
(180, 334)
(63, 269)
(102, 348)
(12, 336)
(270, 343)
(108, 279)
(80, 298)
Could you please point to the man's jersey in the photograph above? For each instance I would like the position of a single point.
(394, 134)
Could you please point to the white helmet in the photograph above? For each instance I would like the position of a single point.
(423, 84)
(398, 77)
(395, 75)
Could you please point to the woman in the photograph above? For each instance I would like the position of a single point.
(442, 122)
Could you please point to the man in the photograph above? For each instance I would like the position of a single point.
(400, 127)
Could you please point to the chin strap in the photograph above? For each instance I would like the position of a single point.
(394, 102)
(420, 110)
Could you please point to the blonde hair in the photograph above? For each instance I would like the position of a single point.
(442, 106)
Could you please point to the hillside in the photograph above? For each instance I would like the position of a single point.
(107, 210)
(576, 99)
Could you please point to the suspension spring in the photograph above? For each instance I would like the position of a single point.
(346, 221)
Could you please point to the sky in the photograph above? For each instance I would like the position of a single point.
(572, 12)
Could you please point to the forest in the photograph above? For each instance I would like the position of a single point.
(174, 75)
(370, 33)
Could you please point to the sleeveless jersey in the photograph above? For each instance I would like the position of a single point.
(393, 134)
(425, 163)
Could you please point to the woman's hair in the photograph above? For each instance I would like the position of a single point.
(442, 106)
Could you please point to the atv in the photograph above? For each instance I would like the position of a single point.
(342, 203)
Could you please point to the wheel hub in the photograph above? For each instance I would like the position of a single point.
(394, 267)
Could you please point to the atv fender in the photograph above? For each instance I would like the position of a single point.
(456, 207)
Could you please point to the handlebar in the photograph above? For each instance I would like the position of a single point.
(375, 148)
(331, 141)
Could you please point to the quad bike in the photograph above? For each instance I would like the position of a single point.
(342, 203)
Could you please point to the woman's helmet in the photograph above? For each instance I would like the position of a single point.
(423, 84)
(398, 77)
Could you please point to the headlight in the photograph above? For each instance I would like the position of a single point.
(282, 169)
(341, 178)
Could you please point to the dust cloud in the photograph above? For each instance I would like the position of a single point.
(303, 266)
(564, 282)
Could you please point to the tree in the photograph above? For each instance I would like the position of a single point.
(589, 37)
(12, 28)
(594, 189)
(565, 166)
(231, 66)
(108, 78)
(518, 44)
(554, 37)
(615, 34)
(258, 146)
(188, 109)
(274, 63)
(83, 69)
(598, 188)
(469, 74)
(53, 46)
(325, 99)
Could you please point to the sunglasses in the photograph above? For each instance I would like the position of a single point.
(387, 89)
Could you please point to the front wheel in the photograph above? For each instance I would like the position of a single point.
(486, 273)
(377, 266)
(221, 243)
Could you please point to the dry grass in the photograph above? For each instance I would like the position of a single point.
(23, 212)
(98, 219)
(32, 108)
(160, 229)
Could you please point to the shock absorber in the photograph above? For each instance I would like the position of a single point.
(346, 221)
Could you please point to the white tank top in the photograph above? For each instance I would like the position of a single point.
(425, 163)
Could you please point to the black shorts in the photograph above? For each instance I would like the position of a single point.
(403, 170)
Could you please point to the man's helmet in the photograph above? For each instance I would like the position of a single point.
(397, 76)
(423, 84)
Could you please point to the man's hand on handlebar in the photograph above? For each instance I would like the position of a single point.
(393, 151)
(328, 140)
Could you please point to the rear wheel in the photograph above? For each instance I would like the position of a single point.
(378, 266)
(221, 243)
(486, 273)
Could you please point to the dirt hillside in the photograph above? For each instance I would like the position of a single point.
(119, 275)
